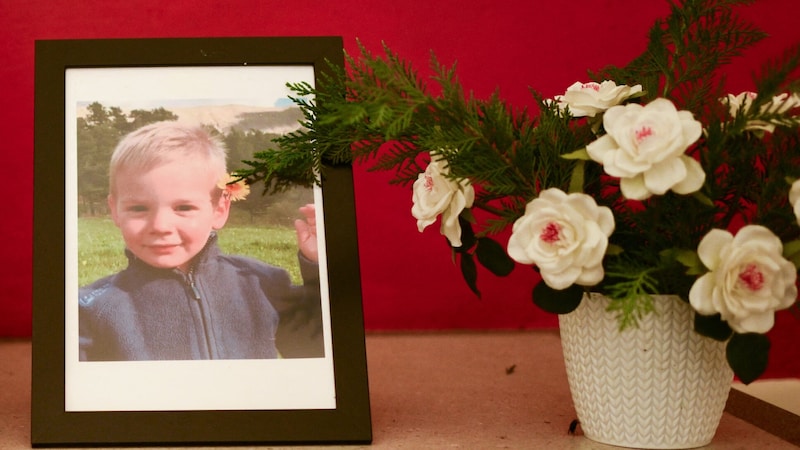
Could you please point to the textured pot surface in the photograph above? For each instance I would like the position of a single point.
(660, 385)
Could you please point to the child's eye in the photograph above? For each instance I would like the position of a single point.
(137, 208)
(185, 208)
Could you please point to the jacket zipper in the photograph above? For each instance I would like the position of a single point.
(199, 299)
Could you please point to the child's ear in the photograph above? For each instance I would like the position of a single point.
(221, 211)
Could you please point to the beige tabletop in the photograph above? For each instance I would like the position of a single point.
(455, 390)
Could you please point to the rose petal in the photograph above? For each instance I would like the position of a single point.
(700, 295)
(695, 177)
(754, 323)
(711, 246)
(634, 188)
(662, 176)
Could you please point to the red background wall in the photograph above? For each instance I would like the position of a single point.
(408, 280)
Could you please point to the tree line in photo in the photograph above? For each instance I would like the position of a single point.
(101, 128)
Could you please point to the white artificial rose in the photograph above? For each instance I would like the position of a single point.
(794, 199)
(740, 103)
(565, 236)
(645, 147)
(435, 194)
(780, 104)
(589, 99)
(748, 279)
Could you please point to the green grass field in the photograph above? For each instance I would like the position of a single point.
(100, 247)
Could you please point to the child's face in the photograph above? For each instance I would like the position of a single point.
(166, 214)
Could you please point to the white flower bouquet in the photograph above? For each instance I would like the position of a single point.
(645, 179)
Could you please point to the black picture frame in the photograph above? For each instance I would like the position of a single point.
(51, 423)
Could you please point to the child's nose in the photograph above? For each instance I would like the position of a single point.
(161, 221)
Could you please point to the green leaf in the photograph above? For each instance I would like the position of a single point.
(712, 326)
(470, 272)
(493, 256)
(790, 248)
(702, 198)
(581, 154)
(577, 178)
(791, 251)
(557, 301)
(748, 355)
(688, 258)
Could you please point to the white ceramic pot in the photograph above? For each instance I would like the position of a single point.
(660, 385)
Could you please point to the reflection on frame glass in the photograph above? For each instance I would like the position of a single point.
(182, 294)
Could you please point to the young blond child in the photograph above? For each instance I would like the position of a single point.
(180, 297)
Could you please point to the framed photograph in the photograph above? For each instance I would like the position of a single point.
(170, 307)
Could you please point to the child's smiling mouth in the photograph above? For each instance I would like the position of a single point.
(162, 248)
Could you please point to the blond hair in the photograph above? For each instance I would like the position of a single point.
(162, 142)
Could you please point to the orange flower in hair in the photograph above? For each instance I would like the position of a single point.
(233, 187)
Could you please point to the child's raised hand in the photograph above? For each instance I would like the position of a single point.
(307, 232)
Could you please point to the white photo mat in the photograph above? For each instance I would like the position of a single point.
(281, 384)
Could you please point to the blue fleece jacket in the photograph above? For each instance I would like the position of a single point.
(225, 307)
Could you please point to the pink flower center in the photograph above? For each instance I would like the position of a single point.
(752, 277)
(428, 183)
(643, 133)
(593, 86)
(551, 233)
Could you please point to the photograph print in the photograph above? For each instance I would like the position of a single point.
(187, 280)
